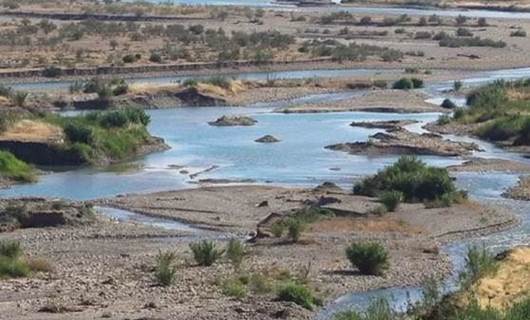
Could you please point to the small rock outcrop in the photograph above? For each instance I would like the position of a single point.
(230, 121)
(403, 142)
(267, 139)
(194, 97)
(386, 125)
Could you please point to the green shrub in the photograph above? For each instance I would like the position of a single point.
(260, 284)
(79, 133)
(370, 258)
(443, 120)
(235, 252)
(10, 249)
(190, 83)
(234, 288)
(480, 263)
(391, 199)
(403, 84)
(417, 83)
(454, 42)
(464, 32)
(457, 85)
(11, 264)
(297, 293)
(410, 176)
(113, 119)
(13, 168)
(278, 229)
(205, 252)
(129, 58)
(13, 268)
(165, 271)
(295, 227)
(406, 84)
(459, 113)
(19, 98)
(519, 311)
(155, 57)
(5, 91)
(52, 72)
(473, 311)
(377, 310)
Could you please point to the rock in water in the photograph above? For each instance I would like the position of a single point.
(228, 121)
(267, 139)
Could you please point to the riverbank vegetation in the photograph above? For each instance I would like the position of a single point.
(14, 169)
(13, 264)
(498, 112)
(102, 136)
(415, 181)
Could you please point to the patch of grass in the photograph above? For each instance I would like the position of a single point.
(408, 83)
(10, 249)
(391, 200)
(443, 120)
(13, 168)
(297, 293)
(480, 263)
(236, 252)
(519, 311)
(377, 310)
(502, 110)
(165, 271)
(457, 42)
(370, 258)
(410, 176)
(13, 268)
(234, 288)
(205, 252)
(295, 227)
(13, 265)
(102, 135)
(278, 229)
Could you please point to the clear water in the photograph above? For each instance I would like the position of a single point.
(299, 159)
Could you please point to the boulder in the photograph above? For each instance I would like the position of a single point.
(267, 139)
